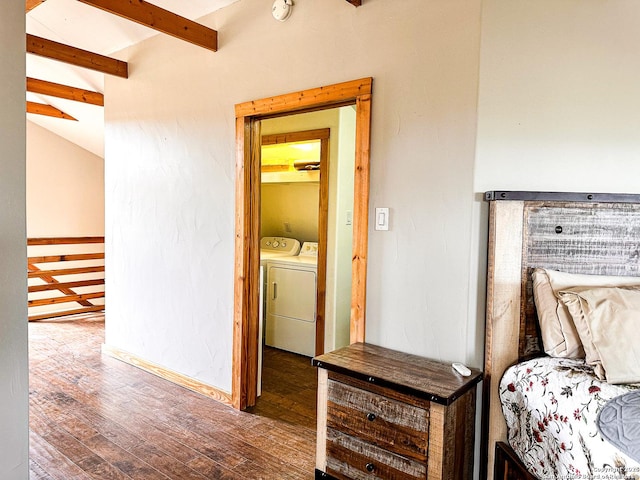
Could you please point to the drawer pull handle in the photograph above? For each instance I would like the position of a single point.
(371, 417)
(370, 467)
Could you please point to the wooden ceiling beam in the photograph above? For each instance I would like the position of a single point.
(75, 56)
(160, 19)
(64, 91)
(356, 3)
(31, 4)
(48, 110)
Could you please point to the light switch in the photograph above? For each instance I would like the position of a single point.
(382, 219)
(349, 217)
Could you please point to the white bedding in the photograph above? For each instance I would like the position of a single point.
(550, 406)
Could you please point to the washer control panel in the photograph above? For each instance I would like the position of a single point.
(284, 245)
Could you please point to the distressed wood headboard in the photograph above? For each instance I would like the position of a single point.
(572, 232)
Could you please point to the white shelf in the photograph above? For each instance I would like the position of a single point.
(291, 177)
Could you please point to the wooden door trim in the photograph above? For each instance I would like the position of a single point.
(323, 135)
(247, 241)
(301, 136)
(323, 230)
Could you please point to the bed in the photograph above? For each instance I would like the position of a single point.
(552, 431)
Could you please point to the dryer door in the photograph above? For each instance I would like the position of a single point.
(291, 309)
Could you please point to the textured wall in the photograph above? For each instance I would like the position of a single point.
(170, 166)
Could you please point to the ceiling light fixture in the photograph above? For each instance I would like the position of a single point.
(281, 9)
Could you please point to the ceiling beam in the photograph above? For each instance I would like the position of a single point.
(64, 91)
(356, 3)
(75, 56)
(48, 110)
(160, 19)
(31, 4)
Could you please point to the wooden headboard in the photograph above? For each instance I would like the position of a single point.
(572, 232)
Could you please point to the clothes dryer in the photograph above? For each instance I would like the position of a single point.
(270, 248)
(291, 292)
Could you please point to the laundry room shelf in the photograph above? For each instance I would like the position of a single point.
(297, 176)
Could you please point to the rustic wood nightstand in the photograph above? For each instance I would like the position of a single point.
(392, 415)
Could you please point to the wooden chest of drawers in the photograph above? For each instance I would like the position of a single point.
(390, 415)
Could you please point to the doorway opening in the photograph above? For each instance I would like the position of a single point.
(247, 252)
(294, 194)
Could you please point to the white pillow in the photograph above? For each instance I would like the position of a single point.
(559, 335)
(608, 321)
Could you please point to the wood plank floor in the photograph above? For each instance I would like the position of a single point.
(92, 416)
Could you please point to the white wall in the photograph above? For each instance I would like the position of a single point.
(292, 203)
(65, 187)
(559, 102)
(170, 166)
(423, 146)
(341, 310)
(14, 382)
(559, 106)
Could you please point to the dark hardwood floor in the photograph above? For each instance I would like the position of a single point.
(92, 416)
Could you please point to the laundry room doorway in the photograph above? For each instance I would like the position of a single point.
(294, 193)
(294, 206)
(251, 117)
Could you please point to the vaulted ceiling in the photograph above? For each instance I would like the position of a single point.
(65, 95)
(73, 23)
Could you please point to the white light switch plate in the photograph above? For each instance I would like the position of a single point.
(382, 219)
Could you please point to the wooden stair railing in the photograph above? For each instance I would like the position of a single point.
(47, 261)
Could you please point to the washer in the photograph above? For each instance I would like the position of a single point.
(290, 320)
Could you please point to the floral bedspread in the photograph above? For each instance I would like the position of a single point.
(551, 406)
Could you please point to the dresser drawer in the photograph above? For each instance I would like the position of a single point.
(393, 425)
(351, 458)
